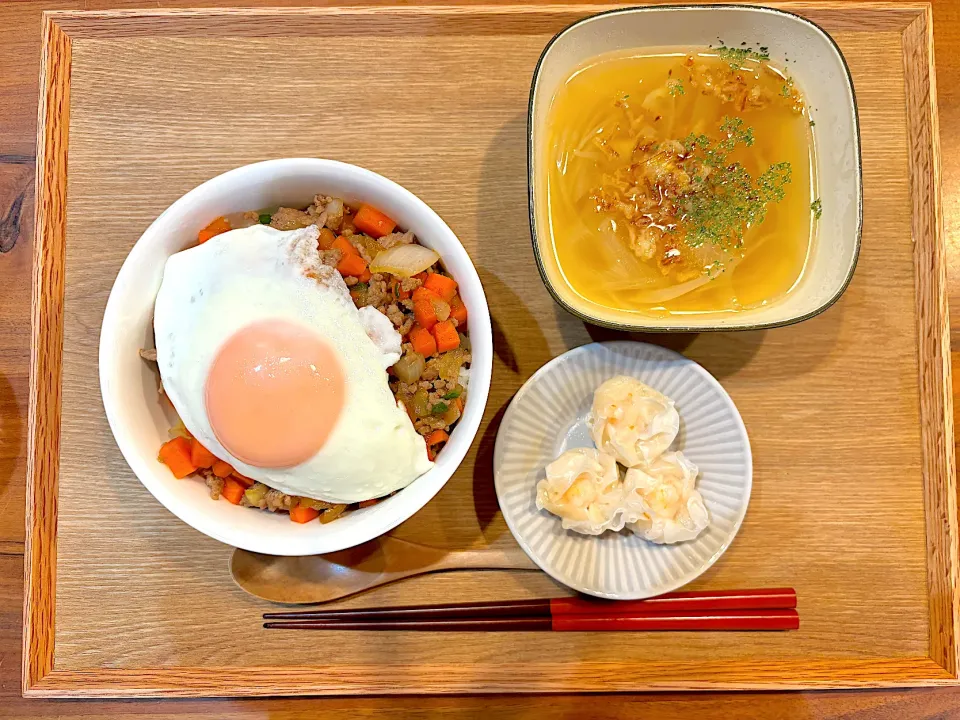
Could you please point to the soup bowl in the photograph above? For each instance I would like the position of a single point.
(818, 70)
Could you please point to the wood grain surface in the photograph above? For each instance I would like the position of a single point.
(912, 704)
(934, 339)
(136, 144)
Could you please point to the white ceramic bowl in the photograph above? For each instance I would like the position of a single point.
(547, 417)
(138, 419)
(820, 72)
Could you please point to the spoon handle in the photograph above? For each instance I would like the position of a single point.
(491, 558)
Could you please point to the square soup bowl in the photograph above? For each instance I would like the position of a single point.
(820, 72)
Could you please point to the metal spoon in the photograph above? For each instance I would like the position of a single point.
(322, 578)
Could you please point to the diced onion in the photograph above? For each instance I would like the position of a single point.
(449, 364)
(409, 368)
(404, 260)
(452, 414)
(441, 309)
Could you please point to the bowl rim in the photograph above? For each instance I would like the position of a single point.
(237, 535)
(639, 326)
(694, 367)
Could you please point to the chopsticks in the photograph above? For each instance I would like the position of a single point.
(761, 609)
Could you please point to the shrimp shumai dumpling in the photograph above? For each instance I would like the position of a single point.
(632, 421)
(584, 489)
(663, 499)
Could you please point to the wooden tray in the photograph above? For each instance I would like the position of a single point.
(849, 413)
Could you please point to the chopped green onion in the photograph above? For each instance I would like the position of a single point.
(265, 218)
(817, 207)
(440, 408)
(453, 394)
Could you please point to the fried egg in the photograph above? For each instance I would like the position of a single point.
(273, 369)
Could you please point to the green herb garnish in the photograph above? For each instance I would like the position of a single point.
(675, 87)
(817, 207)
(812, 124)
(726, 201)
(453, 394)
(787, 89)
(265, 218)
(440, 408)
(736, 57)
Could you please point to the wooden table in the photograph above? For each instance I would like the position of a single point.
(19, 55)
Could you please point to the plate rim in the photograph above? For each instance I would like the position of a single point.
(551, 365)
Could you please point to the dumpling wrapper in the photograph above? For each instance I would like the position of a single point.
(583, 488)
(632, 421)
(662, 504)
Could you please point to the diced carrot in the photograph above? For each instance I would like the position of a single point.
(423, 342)
(421, 276)
(373, 222)
(369, 503)
(403, 294)
(243, 479)
(422, 293)
(458, 311)
(303, 514)
(442, 285)
(344, 246)
(459, 403)
(326, 239)
(222, 469)
(424, 313)
(365, 276)
(218, 226)
(437, 437)
(446, 336)
(352, 265)
(232, 490)
(176, 455)
(200, 456)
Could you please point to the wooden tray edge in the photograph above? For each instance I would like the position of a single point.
(936, 399)
(46, 352)
(40, 679)
(888, 14)
(834, 673)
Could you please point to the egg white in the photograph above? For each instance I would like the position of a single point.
(211, 291)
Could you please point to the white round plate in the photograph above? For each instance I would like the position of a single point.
(548, 416)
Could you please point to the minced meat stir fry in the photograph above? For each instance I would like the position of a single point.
(385, 269)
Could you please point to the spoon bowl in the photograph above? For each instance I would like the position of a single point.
(310, 579)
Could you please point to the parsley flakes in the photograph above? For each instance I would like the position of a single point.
(817, 207)
(737, 57)
(726, 201)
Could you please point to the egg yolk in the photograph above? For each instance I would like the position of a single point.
(274, 393)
